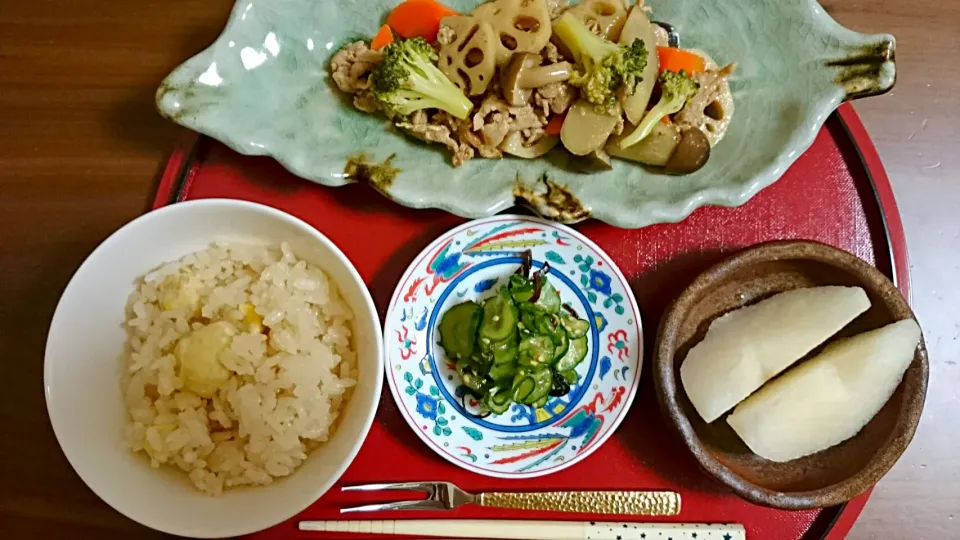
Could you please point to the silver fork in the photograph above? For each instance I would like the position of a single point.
(447, 496)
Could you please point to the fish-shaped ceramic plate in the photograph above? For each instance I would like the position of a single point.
(263, 88)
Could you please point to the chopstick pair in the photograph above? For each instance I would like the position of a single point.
(539, 530)
(447, 496)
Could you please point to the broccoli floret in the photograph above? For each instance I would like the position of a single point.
(610, 72)
(406, 80)
(675, 90)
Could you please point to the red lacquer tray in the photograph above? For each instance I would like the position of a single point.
(836, 193)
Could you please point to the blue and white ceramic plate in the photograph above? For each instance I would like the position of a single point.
(263, 88)
(472, 262)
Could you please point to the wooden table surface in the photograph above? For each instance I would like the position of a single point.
(80, 148)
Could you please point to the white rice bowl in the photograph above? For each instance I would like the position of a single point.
(95, 399)
(285, 367)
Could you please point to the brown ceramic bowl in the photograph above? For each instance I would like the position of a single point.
(827, 478)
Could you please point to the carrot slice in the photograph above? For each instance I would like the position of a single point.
(419, 18)
(676, 60)
(555, 125)
(383, 38)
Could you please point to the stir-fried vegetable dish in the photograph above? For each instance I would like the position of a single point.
(522, 77)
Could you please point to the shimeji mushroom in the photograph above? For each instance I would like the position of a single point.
(691, 154)
(524, 73)
(677, 151)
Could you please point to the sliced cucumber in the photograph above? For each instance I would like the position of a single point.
(477, 385)
(468, 365)
(499, 317)
(546, 323)
(501, 372)
(575, 354)
(482, 361)
(535, 351)
(521, 288)
(498, 401)
(561, 344)
(458, 329)
(549, 299)
(505, 351)
(528, 318)
(570, 376)
(575, 327)
(541, 402)
(544, 382)
(523, 387)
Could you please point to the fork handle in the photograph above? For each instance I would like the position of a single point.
(620, 503)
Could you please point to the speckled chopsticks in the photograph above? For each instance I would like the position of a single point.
(532, 530)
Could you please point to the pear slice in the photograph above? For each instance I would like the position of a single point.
(747, 347)
(827, 399)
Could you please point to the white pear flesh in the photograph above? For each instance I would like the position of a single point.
(829, 398)
(745, 348)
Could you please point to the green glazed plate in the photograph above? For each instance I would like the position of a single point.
(263, 88)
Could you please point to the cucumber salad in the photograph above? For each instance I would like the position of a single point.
(521, 345)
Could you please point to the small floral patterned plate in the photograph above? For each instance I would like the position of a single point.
(472, 262)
